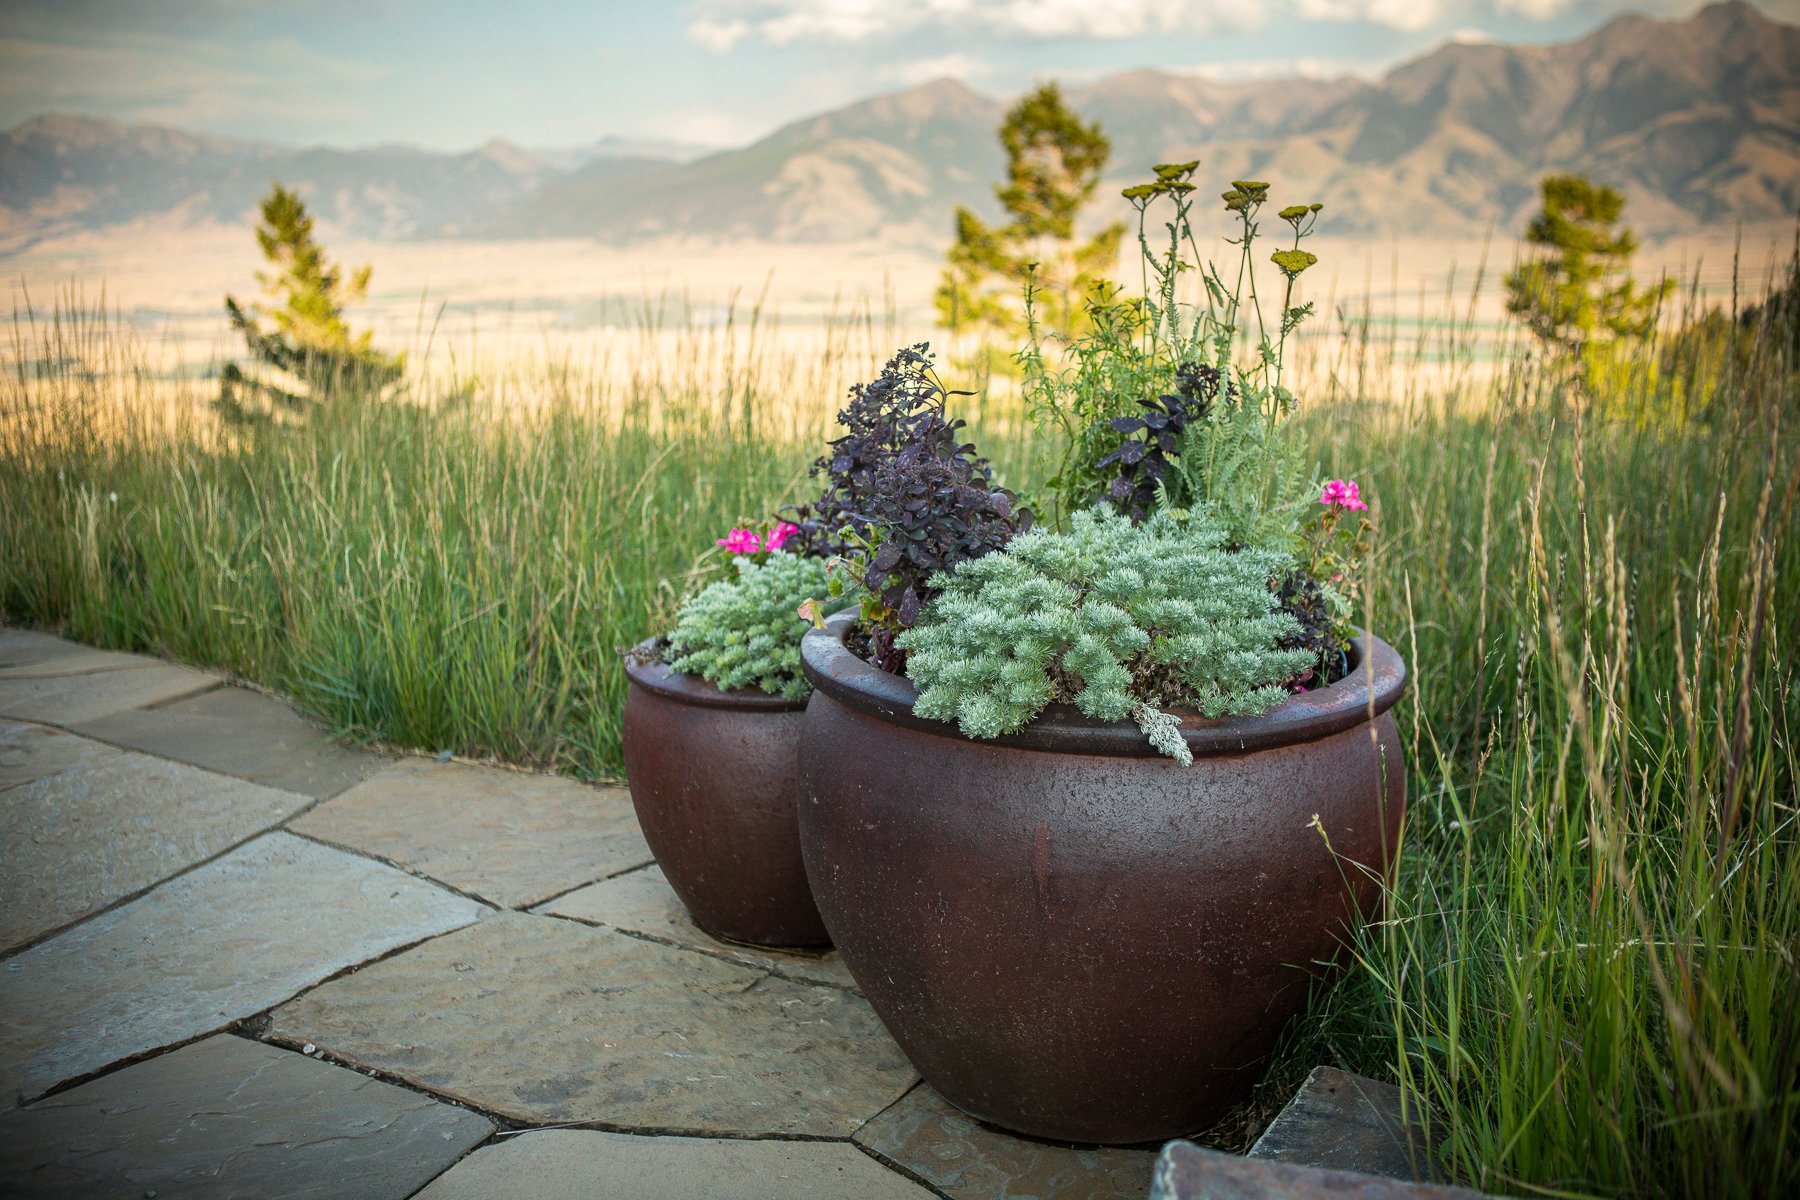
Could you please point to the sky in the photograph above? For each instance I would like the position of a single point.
(454, 74)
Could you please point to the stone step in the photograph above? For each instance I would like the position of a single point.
(556, 1164)
(1185, 1171)
(1346, 1122)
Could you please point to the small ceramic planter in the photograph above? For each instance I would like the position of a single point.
(712, 779)
(1071, 935)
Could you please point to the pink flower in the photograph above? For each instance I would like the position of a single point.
(740, 541)
(782, 532)
(1343, 493)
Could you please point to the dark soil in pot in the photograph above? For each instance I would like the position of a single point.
(712, 776)
(1070, 935)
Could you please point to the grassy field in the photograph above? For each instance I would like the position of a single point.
(484, 304)
(1586, 970)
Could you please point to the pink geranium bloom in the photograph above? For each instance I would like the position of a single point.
(1344, 494)
(782, 532)
(740, 541)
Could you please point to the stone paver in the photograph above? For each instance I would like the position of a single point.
(1344, 1122)
(506, 836)
(544, 1020)
(68, 699)
(555, 1164)
(28, 655)
(29, 752)
(967, 1160)
(112, 824)
(716, 1069)
(643, 902)
(1189, 1172)
(239, 732)
(227, 940)
(226, 1117)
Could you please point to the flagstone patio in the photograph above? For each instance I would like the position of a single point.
(238, 959)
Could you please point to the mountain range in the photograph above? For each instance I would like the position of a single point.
(1697, 121)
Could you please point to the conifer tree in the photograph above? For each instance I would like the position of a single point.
(1053, 165)
(306, 337)
(1577, 296)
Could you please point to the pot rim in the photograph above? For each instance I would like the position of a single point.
(1374, 685)
(658, 678)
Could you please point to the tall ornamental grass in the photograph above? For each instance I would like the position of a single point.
(443, 574)
(1585, 977)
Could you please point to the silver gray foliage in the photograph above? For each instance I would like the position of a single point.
(1110, 616)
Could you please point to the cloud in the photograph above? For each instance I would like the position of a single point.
(924, 70)
(707, 128)
(1595, 10)
(722, 25)
(1536, 10)
(1246, 70)
(719, 25)
(1407, 15)
(170, 80)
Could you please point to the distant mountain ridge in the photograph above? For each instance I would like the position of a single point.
(1698, 121)
(895, 162)
(60, 173)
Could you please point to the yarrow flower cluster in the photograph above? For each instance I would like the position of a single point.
(747, 541)
(1343, 494)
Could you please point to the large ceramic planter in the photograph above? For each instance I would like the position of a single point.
(712, 779)
(1070, 935)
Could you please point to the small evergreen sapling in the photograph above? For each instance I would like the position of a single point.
(1122, 620)
(746, 632)
(305, 338)
(1576, 294)
(1054, 163)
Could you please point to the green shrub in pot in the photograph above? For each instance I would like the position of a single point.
(1119, 619)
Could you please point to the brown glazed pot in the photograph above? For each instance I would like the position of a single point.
(712, 779)
(1069, 934)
